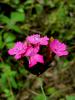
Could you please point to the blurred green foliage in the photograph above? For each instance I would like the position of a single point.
(18, 19)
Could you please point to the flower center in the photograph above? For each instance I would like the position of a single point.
(37, 38)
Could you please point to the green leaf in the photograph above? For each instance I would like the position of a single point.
(29, 2)
(1, 43)
(11, 97)
(7, 92)
(1, 65)
(13, 82)
(51, 90)
(4, 19)
(9, 37)
(58, 16)
(6, 69)
(39, 97)
(3, 81)
(62, 99)
(49, 3)
(71, 97)
(16, 28)
(10, 45)
(17, 16)
(39, 8)
(16, 1)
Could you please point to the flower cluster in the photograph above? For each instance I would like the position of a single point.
(30, 48)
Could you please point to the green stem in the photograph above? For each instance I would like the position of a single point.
(42, 89)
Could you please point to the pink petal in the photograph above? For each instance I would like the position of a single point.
(63, 53)
(39, 58)
(60, 49)
(20, 47)
(18, 50)
(18, 44)
(52, 45)
(29, 51)
(62, 46)
(32, 51)
(11, 52)
(34, 39)
(35, 59)
(32, 62)
(44, 40)
(17, 57)
(36, 49)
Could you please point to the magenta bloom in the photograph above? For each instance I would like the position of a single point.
(36, 39)
(32, 51)
(33, 60)
(60, 49)
(18, 50)
(23, 49)
(44, 40)
(31, 47)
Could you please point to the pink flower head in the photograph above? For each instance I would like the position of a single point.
(18, 50)
(36, 39)
(33, 60)
(60, 49)
(32, 50)
(44, 40)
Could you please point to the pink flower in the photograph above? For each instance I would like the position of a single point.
(44, 40)
(60, 49)
(32, 50)
(33, 60)
(36, 39)
(18, 50)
